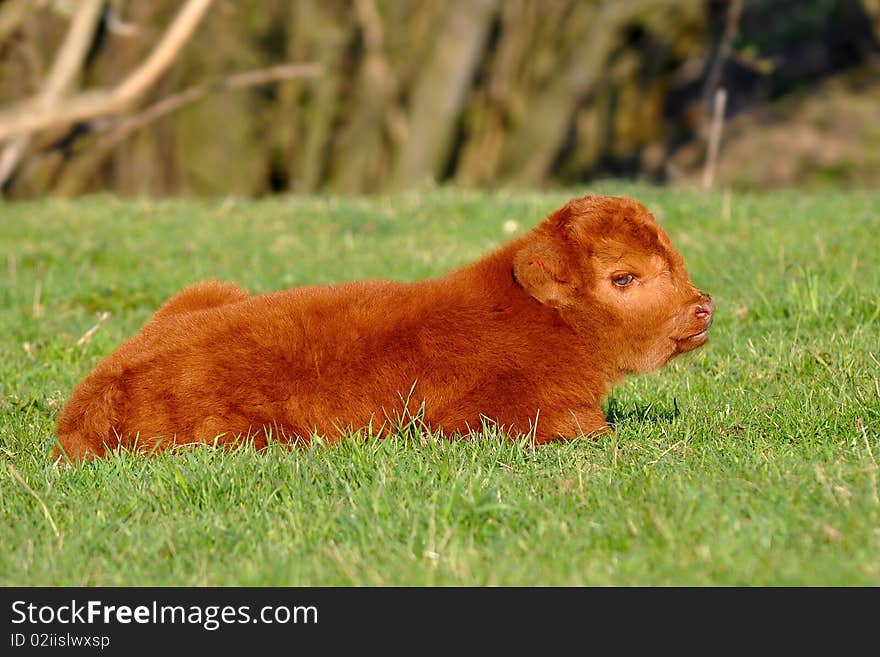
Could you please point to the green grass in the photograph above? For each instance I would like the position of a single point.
(751, 461)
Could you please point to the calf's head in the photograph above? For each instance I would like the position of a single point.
(612, 273)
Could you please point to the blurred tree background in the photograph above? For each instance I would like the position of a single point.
(360, 96)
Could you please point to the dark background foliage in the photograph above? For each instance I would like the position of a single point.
(470, 92)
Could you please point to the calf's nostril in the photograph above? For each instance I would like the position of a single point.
(705, 309)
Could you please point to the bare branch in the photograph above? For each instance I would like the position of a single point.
(30, 116)
(195, 93)
(160, 59)
(10, 157)
(72, 52)
(126, 127)
(714, 137)
(731, 30)
(61, 77)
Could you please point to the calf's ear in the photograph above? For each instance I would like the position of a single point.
(540, 268)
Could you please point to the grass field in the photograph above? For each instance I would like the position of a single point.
(751, 461)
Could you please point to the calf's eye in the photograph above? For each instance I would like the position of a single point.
(623, 281)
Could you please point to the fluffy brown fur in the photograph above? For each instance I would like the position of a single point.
(530, 337)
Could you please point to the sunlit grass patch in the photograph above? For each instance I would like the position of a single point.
(750, 461)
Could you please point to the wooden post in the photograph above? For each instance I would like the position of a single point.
(715, 129)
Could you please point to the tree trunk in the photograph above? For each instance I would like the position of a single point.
(440, 91)
(318, 33)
